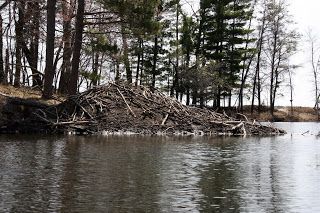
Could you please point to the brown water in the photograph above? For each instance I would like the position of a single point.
(162, 174)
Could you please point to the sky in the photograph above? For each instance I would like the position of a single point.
(306, 13)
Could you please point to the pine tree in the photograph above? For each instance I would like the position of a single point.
(137, 18)
(224, 40)
(187, 46)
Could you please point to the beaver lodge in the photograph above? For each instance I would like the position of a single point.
(122, 109)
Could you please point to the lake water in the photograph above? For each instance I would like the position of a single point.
(162, 174)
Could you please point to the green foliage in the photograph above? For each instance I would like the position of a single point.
(138, 15)
(187, 37)
(90, 76)
(225, 36)
(100, 43)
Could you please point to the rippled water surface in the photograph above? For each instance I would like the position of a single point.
(162, 174)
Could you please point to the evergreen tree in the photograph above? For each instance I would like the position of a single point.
(187, 46)
(224, 40)
(136, 18)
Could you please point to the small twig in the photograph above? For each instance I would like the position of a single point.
(83, 109)
(165, 118)
(5, 95)
(43, 118)
(71, 122)
(224, 113)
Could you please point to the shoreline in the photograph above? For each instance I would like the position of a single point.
(121, 109)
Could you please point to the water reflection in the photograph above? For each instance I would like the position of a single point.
(159, 174)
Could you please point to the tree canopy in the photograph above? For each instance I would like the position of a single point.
(214, 56)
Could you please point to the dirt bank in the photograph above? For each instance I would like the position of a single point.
(17, 106)
(284, 114)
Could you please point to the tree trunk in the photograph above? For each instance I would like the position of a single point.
(142, 65)
(259, 90)
(95, 69)
(245, 70)
(176, 77)
(139, 61)
(230, 98)
(194, 97)
(273, 64)
(126, 55)
(2, 73)
(73, 85)
(49, 70)
(67, 10)
(188, 97)
(276, 81)
(117, 70)
(154, 62)
(291, 93)
(201, 98)
(19, 41)
(257, 71)
(7, 67)
(34, 46)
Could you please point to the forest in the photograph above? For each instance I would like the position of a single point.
(214, 53)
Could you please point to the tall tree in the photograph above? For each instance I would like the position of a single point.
(225, 37)
(67, 11)
(73, 83)
(260, 44)
(49, 70)
(126, 54)
(315, 62)
(187, 46)
(249, 54)
(19, 41)
(282, 43)
(33, 59)
(200, 50)
(2, 71)
(137, 18)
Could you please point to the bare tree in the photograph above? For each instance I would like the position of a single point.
(19, 41)
(260, 43)
(67, 13)
(315, 61)
(49, 71)
(281, 45)
(73, 83)
(2, 73)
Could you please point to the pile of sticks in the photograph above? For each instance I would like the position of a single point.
(119, 108)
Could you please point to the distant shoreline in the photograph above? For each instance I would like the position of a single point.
(284, 114)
